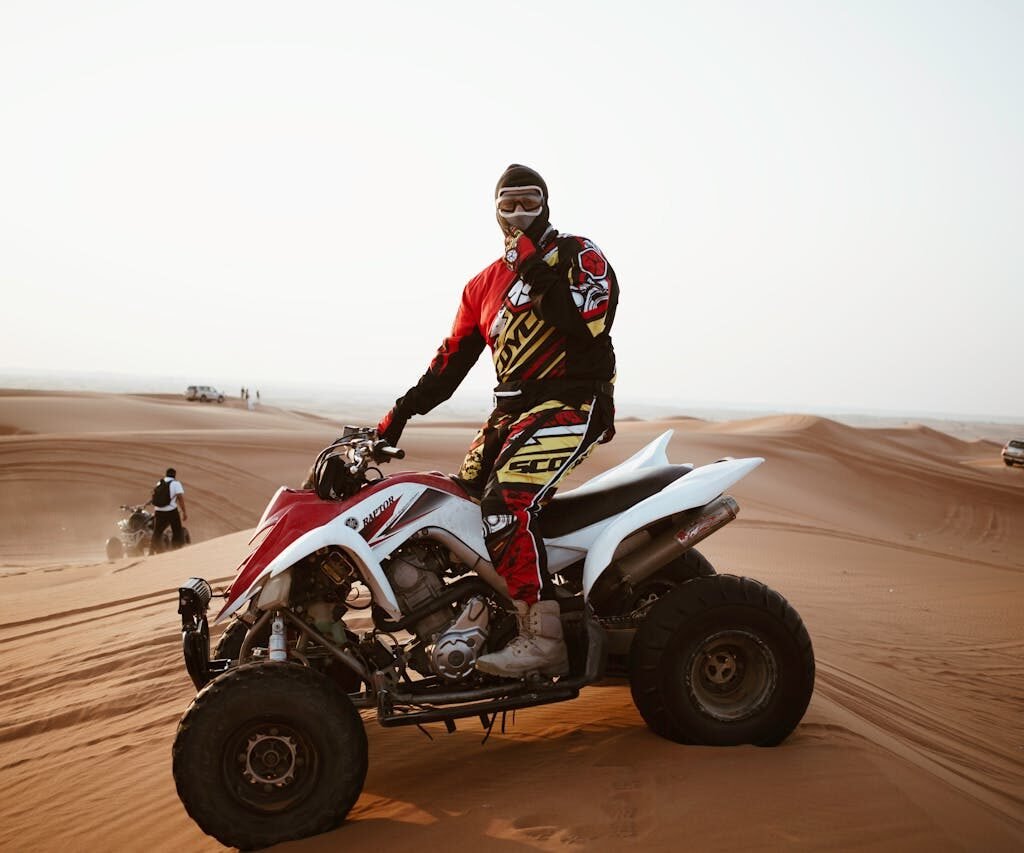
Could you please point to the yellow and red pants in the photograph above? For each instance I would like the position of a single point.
(514, 465)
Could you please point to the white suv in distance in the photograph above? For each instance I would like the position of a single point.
(1013, 452)
(204, 394)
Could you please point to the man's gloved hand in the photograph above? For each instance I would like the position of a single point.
(391, 426)
(536, 273)
(518, 249)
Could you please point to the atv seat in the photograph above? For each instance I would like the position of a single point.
(570, 512)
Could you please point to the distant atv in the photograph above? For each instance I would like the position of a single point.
(273, 746)
(135, 534)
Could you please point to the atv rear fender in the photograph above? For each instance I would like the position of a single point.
(696, 489)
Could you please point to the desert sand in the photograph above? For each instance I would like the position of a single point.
(902, 548)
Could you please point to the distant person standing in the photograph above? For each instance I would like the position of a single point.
(168, 497)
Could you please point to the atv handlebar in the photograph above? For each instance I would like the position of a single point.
(384, 452)
(356, 450)
(366, 450)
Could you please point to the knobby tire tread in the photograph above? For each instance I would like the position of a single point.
(257, 679)
(684, 603)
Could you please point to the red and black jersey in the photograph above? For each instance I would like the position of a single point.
(559, 333)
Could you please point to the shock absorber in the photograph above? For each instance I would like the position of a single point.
(278, 641)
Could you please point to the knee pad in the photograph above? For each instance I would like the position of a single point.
(498, 530)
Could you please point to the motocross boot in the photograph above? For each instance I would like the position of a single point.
(539, 646)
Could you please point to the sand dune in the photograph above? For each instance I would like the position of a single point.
(902, 548)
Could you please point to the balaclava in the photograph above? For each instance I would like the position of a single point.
(523, 176)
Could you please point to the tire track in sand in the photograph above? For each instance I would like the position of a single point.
(860, 539)
(958, 753)
(109, 609)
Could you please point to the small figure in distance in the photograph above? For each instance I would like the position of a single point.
(168, 498)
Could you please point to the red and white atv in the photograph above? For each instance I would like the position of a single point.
(273, 746)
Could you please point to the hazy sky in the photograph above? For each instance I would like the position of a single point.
(809, 205)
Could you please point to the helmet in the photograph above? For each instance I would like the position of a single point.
(521, 201)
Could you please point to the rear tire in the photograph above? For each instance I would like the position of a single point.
(269, 752)
(115, 550)
(692, 564)
(686, 567)
(722, 661)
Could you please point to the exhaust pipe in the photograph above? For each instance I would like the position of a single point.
(716, 514)
(688, 528)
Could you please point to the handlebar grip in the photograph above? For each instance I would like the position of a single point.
(383, 452)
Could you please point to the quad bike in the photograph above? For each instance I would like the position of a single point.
(135, 533)
(273, 745)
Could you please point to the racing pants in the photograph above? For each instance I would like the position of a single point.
(514, 465)
(161, 520)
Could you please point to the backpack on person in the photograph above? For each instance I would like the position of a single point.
(162, 493)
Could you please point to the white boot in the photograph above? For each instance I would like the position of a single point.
(539, 646)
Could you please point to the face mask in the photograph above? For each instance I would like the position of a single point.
(520, 206)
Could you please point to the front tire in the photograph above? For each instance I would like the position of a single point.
(115, 550)
(230, 643)
(269, 752)
(722, 661)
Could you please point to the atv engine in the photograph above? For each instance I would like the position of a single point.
(415, 573)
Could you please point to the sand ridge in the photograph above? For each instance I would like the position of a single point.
(902, 549)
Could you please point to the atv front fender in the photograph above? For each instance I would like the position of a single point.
(335, 534)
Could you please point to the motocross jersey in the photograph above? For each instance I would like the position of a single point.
(545, 342)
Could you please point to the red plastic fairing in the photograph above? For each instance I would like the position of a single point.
(293, 512)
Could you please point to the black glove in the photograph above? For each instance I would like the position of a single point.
(391, 426)
(538, 275)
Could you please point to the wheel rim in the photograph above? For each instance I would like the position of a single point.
(731, 675)
(270, 766)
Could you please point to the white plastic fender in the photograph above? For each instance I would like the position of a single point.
(266, 512)
(340, 535)
(699, 487)
(461, 518)
(652, 455)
